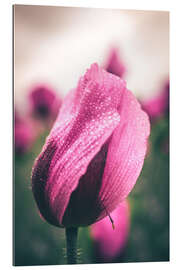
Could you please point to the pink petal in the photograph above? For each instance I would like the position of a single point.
(24, 134)
(44, 102)
(158, 105)
(114, 64)
(111, 242)
(126, 153)
(86, 120)
(84, 205)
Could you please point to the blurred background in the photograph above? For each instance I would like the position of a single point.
(53, 46)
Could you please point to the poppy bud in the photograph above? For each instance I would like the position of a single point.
(93, 154)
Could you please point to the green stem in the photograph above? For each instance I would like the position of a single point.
(71, 243)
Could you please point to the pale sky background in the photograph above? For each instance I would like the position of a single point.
(55, 45)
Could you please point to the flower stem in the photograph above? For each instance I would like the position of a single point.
(71, 242)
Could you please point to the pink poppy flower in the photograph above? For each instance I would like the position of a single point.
(93, 154)
(110, 243)
(158, 105)
(44, 103)
(24, 134)
(114, 64)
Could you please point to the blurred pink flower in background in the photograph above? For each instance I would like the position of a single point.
(44, 103)
(114, 63)
(94, 154)
(110, 243)
(24, 134)
(158, 105)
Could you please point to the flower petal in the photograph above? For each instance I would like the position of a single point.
(114, 64)
(126, 153)
(86, 120)
(44, 102)
(111, 242)
(158, 105)
(24, 133)
(84, 207)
